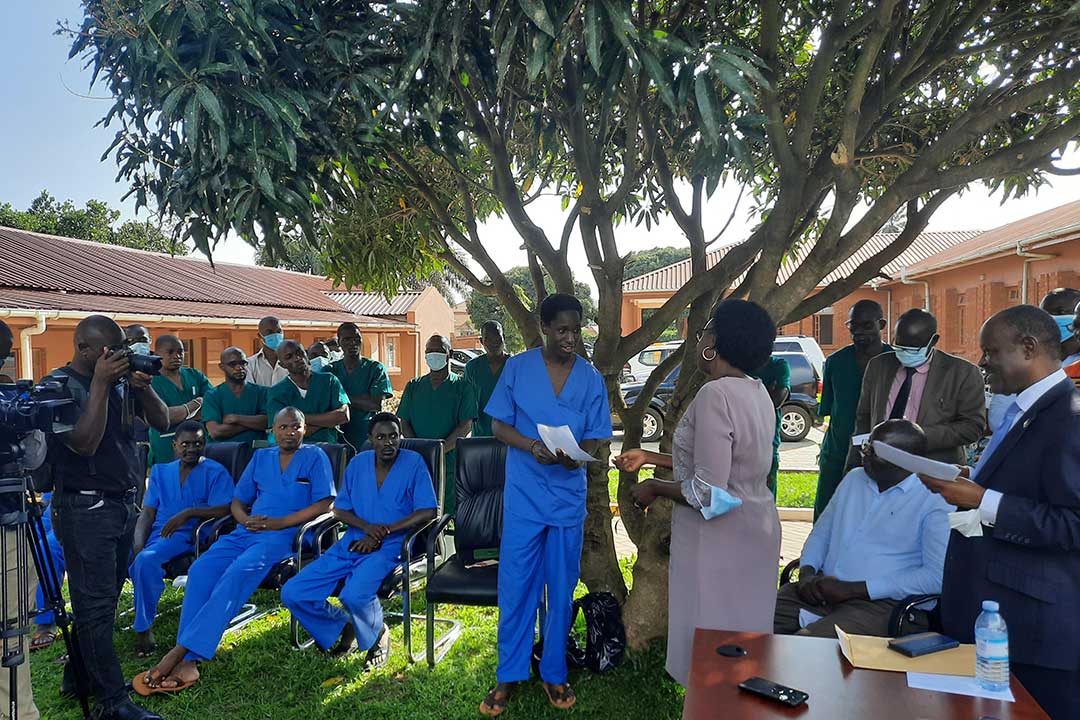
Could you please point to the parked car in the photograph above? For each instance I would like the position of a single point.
(640, 367)
(797, 415)
(458, 359)
(802, 344)
(799, 412)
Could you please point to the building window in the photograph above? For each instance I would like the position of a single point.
(1014, 293)
(823, 329)
(391, 351)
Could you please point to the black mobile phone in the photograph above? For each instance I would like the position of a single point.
(774, 691)
(922, 644)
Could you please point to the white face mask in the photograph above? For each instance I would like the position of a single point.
(336, 355)
(436, 360)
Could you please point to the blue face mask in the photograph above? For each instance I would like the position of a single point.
(1064, 323)
(436, 360)
(140, 348)
(912, 358)
(273, 340)
(720, 503)
(318, 364)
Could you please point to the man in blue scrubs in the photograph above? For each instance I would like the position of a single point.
(180, 494)
(386, 492)
(282, 488)
(544, 497)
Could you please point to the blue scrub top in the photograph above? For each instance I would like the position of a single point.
(524, 397)
(208, 484)
(308, 479)
(407, 488)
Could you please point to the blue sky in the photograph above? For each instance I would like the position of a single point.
(48, 141)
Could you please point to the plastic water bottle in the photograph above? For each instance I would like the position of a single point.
(991, 648)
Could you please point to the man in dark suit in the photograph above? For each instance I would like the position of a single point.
(1026, 488)
(940, 392)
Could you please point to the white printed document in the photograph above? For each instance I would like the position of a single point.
(560, 438)
(914, 463)
(956, 685)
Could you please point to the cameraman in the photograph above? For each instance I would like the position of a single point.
(26, 708)
(96, 468)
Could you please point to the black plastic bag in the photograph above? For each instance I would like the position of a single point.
(605, 635)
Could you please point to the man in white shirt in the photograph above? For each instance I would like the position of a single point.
(1024, 550)
(263, 367)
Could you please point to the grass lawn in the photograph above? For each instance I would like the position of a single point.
(797, 489)
(258, 675)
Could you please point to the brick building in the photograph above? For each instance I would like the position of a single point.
(48, 284)
(963, 277)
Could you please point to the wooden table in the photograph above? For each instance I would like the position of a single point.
(837, 691)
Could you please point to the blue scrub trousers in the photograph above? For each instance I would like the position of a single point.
(147, 573)
(306, 594)
(57, 553)
(221, 581)
(534, 556)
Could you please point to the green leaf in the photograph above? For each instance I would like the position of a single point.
(537, 56)
(262, 179)
(502, 63)
(191, 122)
(565, 202)
(172, 100)
(749, 70)
(708, 107)
(592, 34)
(464, 77)
(620, 19)
(733, 80)
(210, 103)
(659, 76)
(537, 12)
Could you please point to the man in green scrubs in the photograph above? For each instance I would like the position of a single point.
(181, 389)
(483, 372)
(318, 395)
(235, 410)
(440, 406)
(776, 377)
(840, 388)
(365, 381)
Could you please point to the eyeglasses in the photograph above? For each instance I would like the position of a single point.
(702, 332)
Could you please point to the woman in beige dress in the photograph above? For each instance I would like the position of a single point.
(725, 533)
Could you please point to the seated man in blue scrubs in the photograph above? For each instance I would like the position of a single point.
(180, 494)
(282, 488)
(319, 395)
(544, 498)
(386, 492)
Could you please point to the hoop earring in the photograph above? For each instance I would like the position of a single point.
(705, 357)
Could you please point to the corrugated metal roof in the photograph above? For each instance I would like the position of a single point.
(364, 303)
(1060, 223)
(676, 275)
(14, 299)
(36, 261)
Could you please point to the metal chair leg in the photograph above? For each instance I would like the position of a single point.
(295, 629)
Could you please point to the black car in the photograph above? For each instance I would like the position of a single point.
(798, 413)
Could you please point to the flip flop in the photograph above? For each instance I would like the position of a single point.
(138, 684)
(565, 701)
(42, 640)
(491, 707)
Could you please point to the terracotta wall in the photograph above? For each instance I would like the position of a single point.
(55, 346)
(432, 315)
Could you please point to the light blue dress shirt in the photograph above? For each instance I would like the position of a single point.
(895, 540)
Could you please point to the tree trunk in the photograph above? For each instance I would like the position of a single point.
(646, 609)
(599, 563)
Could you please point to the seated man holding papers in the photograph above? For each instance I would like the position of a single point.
(881, 538)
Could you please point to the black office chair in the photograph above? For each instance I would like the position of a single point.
(481, 476)
(903, 613)
(412, 562)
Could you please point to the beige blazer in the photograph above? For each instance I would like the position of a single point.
(953, 407)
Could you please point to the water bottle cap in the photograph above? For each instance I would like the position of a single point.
(991, 606)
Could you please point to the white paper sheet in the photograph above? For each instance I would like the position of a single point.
(858, 440)
(955, 685)
(560, 438)
(914, 463)
(807, 618)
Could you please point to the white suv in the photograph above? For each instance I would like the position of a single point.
(641, 365)
(801, 344)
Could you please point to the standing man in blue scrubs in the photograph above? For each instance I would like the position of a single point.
(180, 494)
(544, 497)
(387, 491)
(282, 488)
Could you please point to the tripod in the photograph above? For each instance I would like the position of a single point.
(22, 516)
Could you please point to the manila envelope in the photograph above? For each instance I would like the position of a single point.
(873, 653)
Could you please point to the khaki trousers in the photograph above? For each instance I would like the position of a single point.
(858, 617)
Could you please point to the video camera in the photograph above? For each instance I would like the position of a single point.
(149, 364)
(26, 407)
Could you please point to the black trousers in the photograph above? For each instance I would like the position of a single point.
(96, 534)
